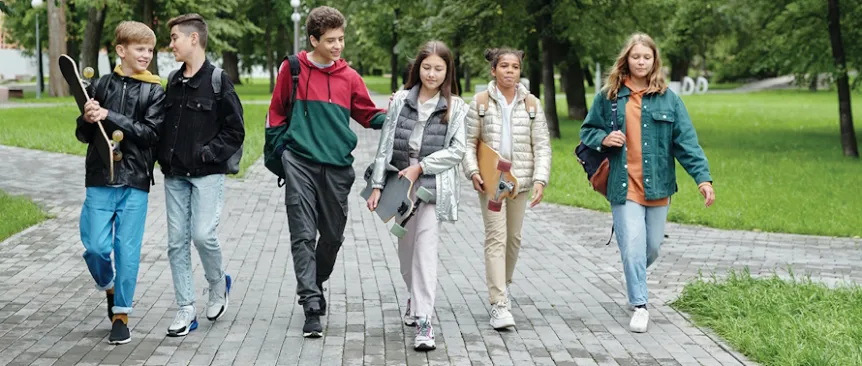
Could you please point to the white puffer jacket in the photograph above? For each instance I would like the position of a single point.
(531, 142)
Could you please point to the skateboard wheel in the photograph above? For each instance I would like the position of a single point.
(398, 230)
(424, 194)
(89, 72)
(117, 136)
(495, 206)
(118, 155)
(504, 166)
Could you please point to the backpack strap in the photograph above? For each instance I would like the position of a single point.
(295, 68)
(532, 106)
(482, 102)
(100, 90)
(216, 81)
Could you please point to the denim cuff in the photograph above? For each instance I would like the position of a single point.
(121, 310)
(109, 286)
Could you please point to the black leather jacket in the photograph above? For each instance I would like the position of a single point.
(139, 123)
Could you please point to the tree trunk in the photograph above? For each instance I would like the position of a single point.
(548, 81)
(73, 44)
(466, 71)
(457, 50)
(576, 98)
(57, 86)
(393, 80)
(111, 53)
(679, 68)
(230, 64)
(92, 36)
(812, 84)
(267, 34)
(588, 75)
(534, 65)
(148, 18)
(848, 134)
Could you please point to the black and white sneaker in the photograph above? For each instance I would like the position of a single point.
(119, 333)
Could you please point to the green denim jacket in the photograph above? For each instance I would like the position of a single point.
(667, 133)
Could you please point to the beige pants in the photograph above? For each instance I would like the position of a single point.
(502, 242)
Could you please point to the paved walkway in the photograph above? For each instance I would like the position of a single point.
(569, 299)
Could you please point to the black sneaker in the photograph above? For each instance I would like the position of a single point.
(119, 333)
(312, 327)
(110, 305)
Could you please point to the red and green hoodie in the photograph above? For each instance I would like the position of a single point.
(326, 99)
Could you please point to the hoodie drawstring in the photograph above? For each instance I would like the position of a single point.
(305, 105)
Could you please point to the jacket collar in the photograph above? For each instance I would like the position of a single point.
(521, 92)
(195, 81)
(413, 99)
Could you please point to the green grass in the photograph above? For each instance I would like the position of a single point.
(53, 129)
(19, 213)
(775, 157)
(779, 322)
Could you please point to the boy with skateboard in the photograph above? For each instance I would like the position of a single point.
(129, 101)
(316, 153)
(201, 142)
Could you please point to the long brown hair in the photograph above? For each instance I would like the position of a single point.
(620, 72)
(448, 87)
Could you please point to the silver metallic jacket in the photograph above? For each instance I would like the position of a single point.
(445, 164)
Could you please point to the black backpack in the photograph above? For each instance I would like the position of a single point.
(273, 146)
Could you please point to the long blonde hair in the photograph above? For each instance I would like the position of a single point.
(620, 72)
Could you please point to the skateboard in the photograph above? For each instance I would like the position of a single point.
(395, 199)
(496, 173)
(110, 151)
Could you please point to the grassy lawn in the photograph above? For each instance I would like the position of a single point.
(779, 322)
(775, 158)
(19, 213)
(53, 129)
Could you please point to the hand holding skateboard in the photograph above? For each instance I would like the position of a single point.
(394, 199)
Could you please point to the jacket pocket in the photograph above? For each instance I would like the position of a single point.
(663, 130)
(200, 104)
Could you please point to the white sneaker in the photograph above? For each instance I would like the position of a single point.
(639, 322)
(424, 340)
(218, 301)
(501, 318)
(409, 319)
(185, 322)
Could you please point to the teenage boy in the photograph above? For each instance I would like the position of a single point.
(202, 133)
(129, 100)
(317, 154)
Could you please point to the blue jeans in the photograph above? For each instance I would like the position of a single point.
(113, 219)
(193, 208)
(639, 231)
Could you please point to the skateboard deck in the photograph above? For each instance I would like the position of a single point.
(496, 173)
(395, 199)
(110, 150)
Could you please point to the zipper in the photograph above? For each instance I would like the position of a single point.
(123, 100)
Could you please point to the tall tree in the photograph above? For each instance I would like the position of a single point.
(848, 133)
(93, 36)
(56, 46)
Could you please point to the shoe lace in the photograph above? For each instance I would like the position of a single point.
(424, 328)
(183, 315)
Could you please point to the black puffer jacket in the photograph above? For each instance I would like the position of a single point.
(139, 123)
